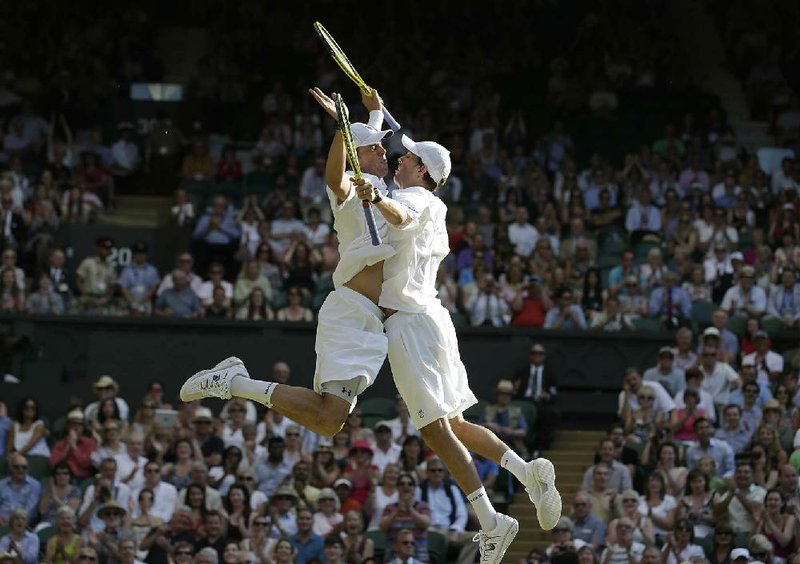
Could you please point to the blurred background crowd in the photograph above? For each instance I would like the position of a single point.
(602, 180)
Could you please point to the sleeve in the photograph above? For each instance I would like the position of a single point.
(32, 503)
(375, 119)
(201, 227)
(773, 301)
(599, 534)
(587, 479)
(581, 317)
(414, 206)
(727, 299)
(124, 278)
(727, 462)
(627, 483)
(630, 221)
(30, 551)
(760, 300)
(655, 300)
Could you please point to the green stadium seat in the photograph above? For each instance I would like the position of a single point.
(379, 540)
(4, 530)
(325, 284)
(788, 356)
(459, 319)
(383, 408)
(39, 467)
(707, 545)
(278, 299)
(701, 313)
(473, 413)
(528, 410)
(741, 540)
(257, 182)
(437, 547)
(318, 300)
(772, 325)
(45, 535)
(736, 325)
(614, 248)
(646, 324)
(3, 467)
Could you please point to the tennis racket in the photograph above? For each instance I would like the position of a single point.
(350, 149)
(348, 68)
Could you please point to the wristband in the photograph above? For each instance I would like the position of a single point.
(378, 198)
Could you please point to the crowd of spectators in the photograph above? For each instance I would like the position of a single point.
(113, 482)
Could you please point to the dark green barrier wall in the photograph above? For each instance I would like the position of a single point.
(66, 354)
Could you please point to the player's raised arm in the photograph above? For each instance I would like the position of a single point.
(335, 166)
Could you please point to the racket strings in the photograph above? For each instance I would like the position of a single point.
(341, 59)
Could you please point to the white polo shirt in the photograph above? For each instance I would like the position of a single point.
(409, 277)
(355, 245)
(718, 382)
(735, 300)
(773, 361)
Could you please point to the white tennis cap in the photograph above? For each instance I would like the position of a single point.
(365, 135)
(433, 156)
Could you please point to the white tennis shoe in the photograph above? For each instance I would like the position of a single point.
(493, 545)
(214, 382)
(540, 483)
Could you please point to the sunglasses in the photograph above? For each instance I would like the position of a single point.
(246, 478)
(561, 530)
(407, 543)
(260, 523)
(710, 354)
(19, 466)
(152, 470)
(435, 469)
(87, 557)
(411, 484)
(183, 553)
(292, 434)
(646, 398)
(237, 410)
(720, 533)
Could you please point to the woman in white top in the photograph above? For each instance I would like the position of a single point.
(327, 519)
(28, 434)
(659, 505)
(231, 430)
(383, 495)
(680, 546)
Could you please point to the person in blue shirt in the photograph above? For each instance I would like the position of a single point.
(139, 280)
(19, 490)
(5, 425)
(670, 303)
(180, 300)
(307, 544)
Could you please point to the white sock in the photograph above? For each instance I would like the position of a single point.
(256, 390)
(512, 462)
(487, 516)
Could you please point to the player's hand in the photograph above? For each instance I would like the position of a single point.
(364, 189)
(372, 101)
(325, 101)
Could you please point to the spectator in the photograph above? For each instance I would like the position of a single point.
(406, 514)
(784, 300)
(260, 546)
(125, 158)
(617, 276)
(216, 235)
(563, 540)
(255, 307)
(696, 505)
(106, 541)
(19, 490)
(28, 433)
(522, 235)
(745, 299)
(624, 548)
(216, 273)
(448, 513)
(307, 495)
(294, 310)
(249, 279)
(65, 544)
(19, 541)
(645, 422)
(107, 388)
(45, 300)
(612, 318)
(139, 281)
(285, 229)
(357, 546)
(229, 168)
(12, 299)
(175, 537)
(744, 504)
(9, 262)
(164, 494)
(214, 536)
(634, 303)
(670, 304)
(643, 525)
(185, 263)
(218, 308)
(619, 477)
(272, 471)
(633, 384)
(566, 315)
(487, 307)
(719, 451)
(182, 211)
(308, 545)
(96, 279)
(15, 230)
(75, 449)
(198, 165)
(507, 421)
(281, 511)
(179, 301)
(199, 479)
(385, 493)
(727, 341)
(111, 445)
(386, 450)
(696, 287)
(769, 364)
(718, 377)
(587, 527)
(659, 505)
(530, 305)
(734, 431)
(685, 357)
(327, 520)
(405, 548)
(665, 373)
(680, 546)
(643, 218)
(105, 488)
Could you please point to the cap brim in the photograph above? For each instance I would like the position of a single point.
(409, 143)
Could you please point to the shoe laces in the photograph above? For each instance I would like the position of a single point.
(483, 540)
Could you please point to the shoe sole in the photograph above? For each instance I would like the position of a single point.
(506, 542)
(224, 365)
(545, 474)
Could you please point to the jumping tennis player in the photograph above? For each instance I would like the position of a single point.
(350, 343)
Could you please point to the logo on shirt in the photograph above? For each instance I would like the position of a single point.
(347, 391)
(421, 414)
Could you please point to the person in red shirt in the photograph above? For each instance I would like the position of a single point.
(75, 448)
(530, 306)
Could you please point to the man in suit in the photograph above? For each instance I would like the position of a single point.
(13, 226)
(57, 270)
(537, 383)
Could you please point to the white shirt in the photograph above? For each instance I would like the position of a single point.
(714, 268)
(397, 428)
(282, 226)
(755, 299)
(125, 155)
(718, 383)
(381, 459)
(706, 403)
(645, 218)
(663, 401)
(686, 554)
(409, 276)
(195, 282)
(165, 498)
(120, 493)
(356, 251)
(319, 236)
(523, 237)
(206, 292)
(122, 405)
(774, 363)
(125, 465)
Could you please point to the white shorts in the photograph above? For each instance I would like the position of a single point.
(351, 345)
(426, 365)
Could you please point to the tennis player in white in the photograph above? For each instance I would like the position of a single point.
(350, 343)
(423, 348)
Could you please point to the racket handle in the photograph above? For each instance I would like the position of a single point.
(373, 230)
(393, 125)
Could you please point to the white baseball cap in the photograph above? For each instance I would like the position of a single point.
(740, 553)
(365, 135)
(435, 157)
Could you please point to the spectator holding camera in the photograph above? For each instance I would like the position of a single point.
(566, 314)
(486, 306)
(624, 549)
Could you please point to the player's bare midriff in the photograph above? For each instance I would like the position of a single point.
(368, 282)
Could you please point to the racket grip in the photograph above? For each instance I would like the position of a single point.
(373, 230)
(393, 125)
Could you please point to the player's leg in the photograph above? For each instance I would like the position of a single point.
(538, 475)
